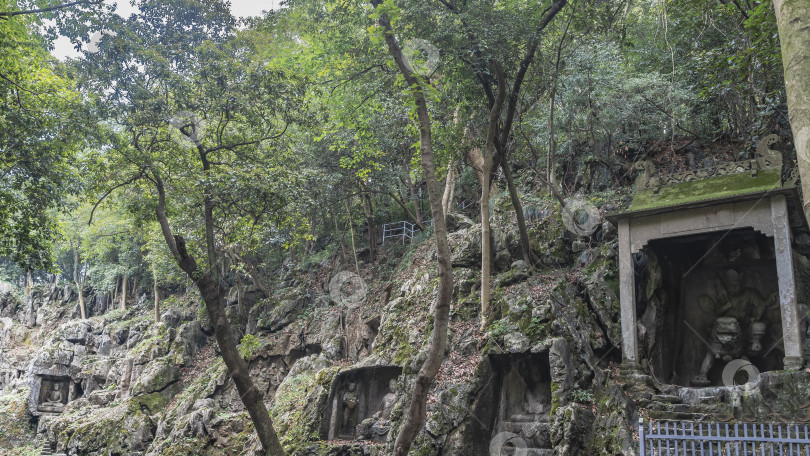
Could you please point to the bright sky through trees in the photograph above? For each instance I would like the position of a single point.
(240, 8)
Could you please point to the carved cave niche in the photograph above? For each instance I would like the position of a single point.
(689, 292)
(46, 397)
(371, 384)
(516, 400)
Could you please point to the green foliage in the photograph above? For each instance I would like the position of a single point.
(249, 346)
(581, 396)
(42, 127)
(498, 328)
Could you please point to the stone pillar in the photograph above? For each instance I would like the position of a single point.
(787, 286)
(627, 289)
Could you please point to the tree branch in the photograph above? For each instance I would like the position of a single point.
(107, 193)
(8, 14)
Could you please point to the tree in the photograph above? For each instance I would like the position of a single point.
(793, 20)
(200, 121)
(41, 129)
(488, 64)
(415, 415)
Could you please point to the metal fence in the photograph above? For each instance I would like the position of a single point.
(403, 230)
(688, 438)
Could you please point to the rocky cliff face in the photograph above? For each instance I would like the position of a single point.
(335, 355)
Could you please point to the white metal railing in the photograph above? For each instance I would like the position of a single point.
(403, 230)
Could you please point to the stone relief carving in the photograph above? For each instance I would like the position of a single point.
(53, 396)
(360, 404)
(349, 404)
(766, 159)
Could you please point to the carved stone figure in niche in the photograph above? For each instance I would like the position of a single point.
(533, 404)
(377, 427)
(740, 311)
(53, 400)
(350, 402)
(366, 338)
(388, 402)
(731, 299)
(726, 343)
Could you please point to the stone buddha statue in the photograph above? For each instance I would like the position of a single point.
(350, 401)
(388, 401)
(53, 400)
(377, 427)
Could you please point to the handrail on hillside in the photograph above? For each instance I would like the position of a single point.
(403, 230)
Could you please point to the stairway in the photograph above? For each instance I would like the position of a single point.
(47, 448)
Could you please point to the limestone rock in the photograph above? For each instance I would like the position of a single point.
(457, 222)
(171, 318)
(76, 332)
(465, 246)
(156, 376)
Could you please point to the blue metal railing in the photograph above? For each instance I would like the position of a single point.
(688, 438)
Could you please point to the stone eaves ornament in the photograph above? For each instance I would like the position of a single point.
(714, 201)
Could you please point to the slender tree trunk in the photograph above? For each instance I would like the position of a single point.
(156, 292)
(354, 247)
(208, 283)
(552, 143)
(115, 292)
(415, 413)
(449, 187)
(488, 168)
(124, 292)
(29, 283)
(412, 193)
(793, 21)
(368, 211)
(525, 246)
(79, 280)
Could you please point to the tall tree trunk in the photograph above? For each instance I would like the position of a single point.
(417, 208)
(415, 414)
(208, 282)
(449, 188)
(487, 169)
(124, 292)
(156, 292)
(354, 247)
(115, 292)
(793, 21)
(29, 283)
(368, 211)
(525, 246)
(79, 280)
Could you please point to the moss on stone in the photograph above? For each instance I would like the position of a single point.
(707, 189)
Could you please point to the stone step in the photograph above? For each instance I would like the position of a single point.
(527, 452)
(47, 448)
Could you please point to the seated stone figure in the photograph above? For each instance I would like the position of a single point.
(53, 400)
(377, 427)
